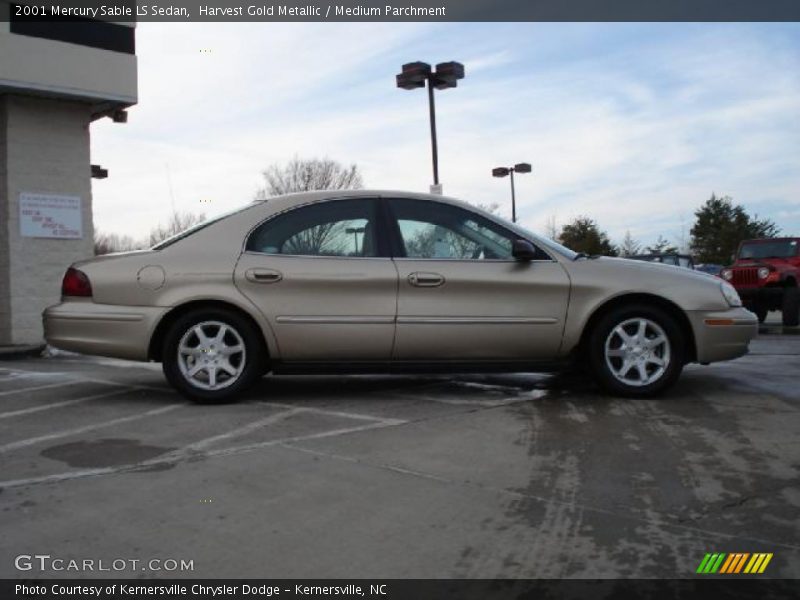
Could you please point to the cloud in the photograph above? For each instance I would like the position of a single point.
(632, 125)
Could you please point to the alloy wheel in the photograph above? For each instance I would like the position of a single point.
(637, 352)
(211, 355)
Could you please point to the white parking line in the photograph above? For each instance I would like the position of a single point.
(78, 377)
(133, 386)
(325, 411)
(37, 387)
(68, 432)
(182, 454)
(533, 395)
(41, 407)
(249, 428)
(303, 438)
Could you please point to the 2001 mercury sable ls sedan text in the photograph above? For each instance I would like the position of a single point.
(384, 281)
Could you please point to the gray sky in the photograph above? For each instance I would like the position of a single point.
(633, 125)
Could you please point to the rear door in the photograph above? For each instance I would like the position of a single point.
(461, 294)
(321, 276)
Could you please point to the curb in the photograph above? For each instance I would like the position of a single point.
(21, 351)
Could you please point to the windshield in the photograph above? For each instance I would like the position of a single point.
(540, 240)
(202, 225)
(551, 245)
(776, 249)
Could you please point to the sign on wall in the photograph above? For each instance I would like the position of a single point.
(50, 216)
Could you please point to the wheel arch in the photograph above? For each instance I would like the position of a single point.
(159, 333)
(668, 306)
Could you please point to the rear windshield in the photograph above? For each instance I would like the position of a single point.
(186, 233)
(776, 249)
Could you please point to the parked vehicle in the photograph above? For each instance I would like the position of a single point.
(363, 281)
(677, 260)
(766, 273)
(710, 268)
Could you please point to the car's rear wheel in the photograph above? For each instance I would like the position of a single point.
(791, 306)
(636, 351)
(211, 356)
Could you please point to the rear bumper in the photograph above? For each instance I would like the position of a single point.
(724, 334)
(101, 329)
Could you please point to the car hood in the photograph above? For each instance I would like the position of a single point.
(609, 277)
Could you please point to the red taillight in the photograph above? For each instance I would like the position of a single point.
(75, 283)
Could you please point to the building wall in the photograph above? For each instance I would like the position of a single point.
(46, 148)
(5, 310)
(55, 68)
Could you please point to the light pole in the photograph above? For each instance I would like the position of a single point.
(413, 76)
(355, 231)
(502, 172)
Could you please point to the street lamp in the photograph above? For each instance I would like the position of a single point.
(413, 76)
(504, 171)
(355, 231)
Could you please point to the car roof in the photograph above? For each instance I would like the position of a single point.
(297, 198)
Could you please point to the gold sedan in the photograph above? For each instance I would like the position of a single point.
(372, 281)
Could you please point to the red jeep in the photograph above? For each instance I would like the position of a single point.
(766, 274)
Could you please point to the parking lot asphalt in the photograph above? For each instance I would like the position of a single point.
(512, 476)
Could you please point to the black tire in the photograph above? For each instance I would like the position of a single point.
(669, 373)
(761, 313)
(249, 366)
(791, 307)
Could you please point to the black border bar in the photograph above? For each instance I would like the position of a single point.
(411, 10)
(722, 588)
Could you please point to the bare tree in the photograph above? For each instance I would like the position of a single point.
(106, 243)
(629, 246)
(305, 175)
(551, 229)
(491, 208)
(178, 222)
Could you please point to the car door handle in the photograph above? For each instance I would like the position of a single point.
(263, 275)
(426, 279)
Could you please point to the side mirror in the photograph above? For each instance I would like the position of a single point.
(523, 250)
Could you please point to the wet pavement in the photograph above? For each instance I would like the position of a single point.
(469, 476)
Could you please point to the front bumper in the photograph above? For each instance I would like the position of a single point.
(766, 297)
(102, 329)
(722, 334)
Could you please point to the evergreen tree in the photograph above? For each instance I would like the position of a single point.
(720, 225)
(662, 246)
(583, 235)
(629, 246)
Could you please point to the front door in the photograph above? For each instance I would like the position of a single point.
(320, 277)
(462, 295)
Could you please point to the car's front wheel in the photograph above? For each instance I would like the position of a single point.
(636, 351)
(211, 356)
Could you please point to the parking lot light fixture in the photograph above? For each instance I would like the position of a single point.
(355, 231)
(506, 171)
(446, 75)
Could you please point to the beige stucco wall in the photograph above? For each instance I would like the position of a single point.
(45, 146)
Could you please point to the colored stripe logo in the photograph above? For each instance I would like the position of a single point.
(734, 563)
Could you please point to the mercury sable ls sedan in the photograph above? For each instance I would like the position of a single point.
(373, 281)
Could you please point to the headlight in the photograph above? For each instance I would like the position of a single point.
(727, 274)
(763, 272)
(730, 294)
